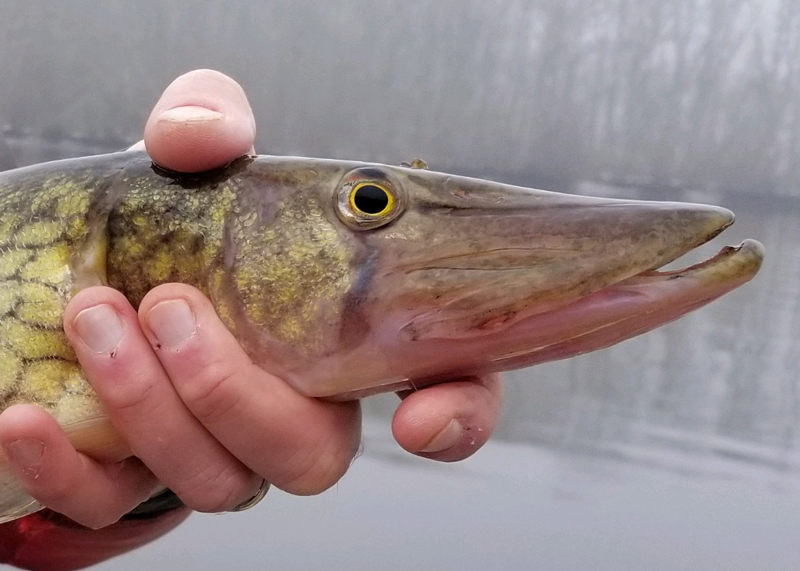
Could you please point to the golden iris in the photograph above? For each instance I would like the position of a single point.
(371, 199)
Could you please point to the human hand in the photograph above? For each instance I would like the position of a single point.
(198, 415)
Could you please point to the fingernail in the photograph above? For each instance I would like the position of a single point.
(447, 438)
(190, 114)
(27, 454)
(172, 322)
(100, 328)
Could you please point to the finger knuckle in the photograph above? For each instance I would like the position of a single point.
(316, 470)
(212, 393)
(213, 490)
(134, 395)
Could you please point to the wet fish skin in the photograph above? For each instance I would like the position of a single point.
(338, 305)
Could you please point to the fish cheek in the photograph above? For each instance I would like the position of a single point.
(292, 276)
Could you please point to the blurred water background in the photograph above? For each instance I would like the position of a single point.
(676, 450)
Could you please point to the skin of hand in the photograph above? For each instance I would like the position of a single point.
(198, 415)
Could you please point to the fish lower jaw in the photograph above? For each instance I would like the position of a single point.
(751, 248)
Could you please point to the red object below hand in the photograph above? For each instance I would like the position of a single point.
(47, 541)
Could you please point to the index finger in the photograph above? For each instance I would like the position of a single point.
(202, 121)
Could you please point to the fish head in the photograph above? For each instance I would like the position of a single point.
(439, 275)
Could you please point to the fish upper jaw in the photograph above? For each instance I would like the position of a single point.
(486, 267)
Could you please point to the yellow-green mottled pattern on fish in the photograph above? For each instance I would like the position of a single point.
(131, 228)
(40, 229)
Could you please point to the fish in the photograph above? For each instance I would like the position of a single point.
(343, 278)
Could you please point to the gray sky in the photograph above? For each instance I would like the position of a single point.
(651, 93)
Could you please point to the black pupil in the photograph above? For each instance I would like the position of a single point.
(371, 199)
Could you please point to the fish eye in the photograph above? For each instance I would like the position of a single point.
(371, 199)
(368, 198)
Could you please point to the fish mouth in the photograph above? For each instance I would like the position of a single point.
(487, 290)
(522, 335)
(626, 309)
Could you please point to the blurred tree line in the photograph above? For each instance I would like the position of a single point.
(685, 92)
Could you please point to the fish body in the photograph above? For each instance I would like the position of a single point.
(346, 278)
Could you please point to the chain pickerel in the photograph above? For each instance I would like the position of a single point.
(347, 278)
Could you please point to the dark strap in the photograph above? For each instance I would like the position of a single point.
(164, 502)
